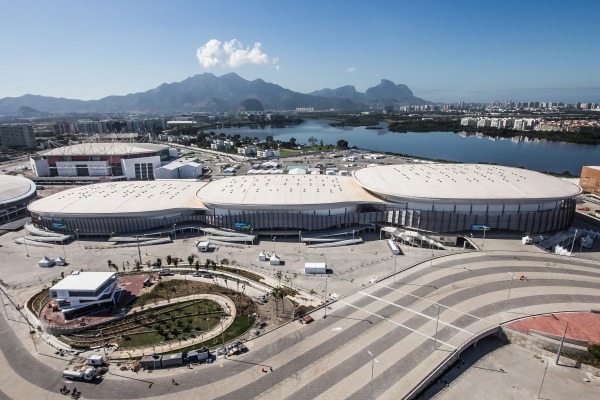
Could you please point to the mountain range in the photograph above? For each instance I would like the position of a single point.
(207, 92)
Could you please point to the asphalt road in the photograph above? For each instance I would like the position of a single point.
(395, 321)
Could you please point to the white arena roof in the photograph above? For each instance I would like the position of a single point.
(132, 198)
(15, 188)
(462, 182)
(283, 192)
(101, 149)
(84, 281)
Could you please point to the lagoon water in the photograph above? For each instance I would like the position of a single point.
(554, 157)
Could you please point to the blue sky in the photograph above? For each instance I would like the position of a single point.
(443, 50)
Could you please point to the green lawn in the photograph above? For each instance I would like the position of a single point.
(181, 324)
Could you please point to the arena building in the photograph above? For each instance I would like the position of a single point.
(441, 198)
(113, 160)
(15, 193)
(453, 197)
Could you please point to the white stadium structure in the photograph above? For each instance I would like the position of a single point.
(15, 193)
(441, 198)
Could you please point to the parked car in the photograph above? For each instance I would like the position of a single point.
(197, 274)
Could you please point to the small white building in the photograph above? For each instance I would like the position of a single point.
(84, 292)
(203, 246)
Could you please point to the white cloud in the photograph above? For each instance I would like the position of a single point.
(233, 54)
(350, 69)
(278, 68)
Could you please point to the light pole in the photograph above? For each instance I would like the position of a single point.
(274, 237)
(395, 258)
(483, 242)
(222, 332)
(352, 239)
(574, 238)
(77, 234)
(561, 343)
(372, 369)
(174, 232)
(437, 321)
(299, 240)
(326, 300)
(137, 240)
(26, 248)
(512, 277)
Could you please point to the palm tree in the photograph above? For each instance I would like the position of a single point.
(278, 293)
(278, 275)
(190, 259)
(169, 259)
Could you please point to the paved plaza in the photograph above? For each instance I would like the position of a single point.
(379, 340)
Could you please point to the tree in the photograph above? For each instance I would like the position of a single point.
(207, 264)
(138, 265)
(175, 261)
(197, 265)
(312, 140)
(159, 262)
(278, 275)
(109, 264)
(190, 259)
(342, 144)
(321, 144)
(225, 261)
(278, 294)
(225, 279)
(169, 259)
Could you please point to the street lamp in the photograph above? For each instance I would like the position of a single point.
(222, 335)
(77, 234)
(373, 360)
(174, 232)
(395, 258)
(274, 237)
(26, 248)
(326, 301)
(512, 277)
(574, 238)
(437, 321)
(352, 239)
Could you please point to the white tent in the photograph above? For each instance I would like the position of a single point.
(526, 240)
(275, 260)
(262, 256)
(46, 262)
(59, 261)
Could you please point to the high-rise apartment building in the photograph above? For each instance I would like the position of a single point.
(17, 136)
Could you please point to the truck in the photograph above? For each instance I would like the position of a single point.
(86, 375)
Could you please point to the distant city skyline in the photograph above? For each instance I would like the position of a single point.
(444, 52)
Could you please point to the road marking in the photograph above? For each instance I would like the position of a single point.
(397, 323)
(436, 303)
(339, 328)
(416, 312)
